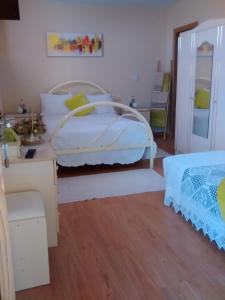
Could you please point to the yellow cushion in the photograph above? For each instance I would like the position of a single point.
(221, 198)
(10, 135)
(202, 98)
(77, 101)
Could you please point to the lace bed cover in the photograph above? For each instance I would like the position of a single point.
(198, 201)
(79, 132)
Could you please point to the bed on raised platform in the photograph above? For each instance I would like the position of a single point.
(101, 137)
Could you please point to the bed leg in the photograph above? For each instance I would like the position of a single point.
(151, 160)
(151, 163)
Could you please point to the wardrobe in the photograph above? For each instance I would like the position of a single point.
(200, 108)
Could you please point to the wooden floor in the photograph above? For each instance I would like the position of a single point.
(130, 248)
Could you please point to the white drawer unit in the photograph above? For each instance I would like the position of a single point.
(38, 173)
(28, 233)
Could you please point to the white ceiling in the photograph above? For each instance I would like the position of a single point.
(152, 2)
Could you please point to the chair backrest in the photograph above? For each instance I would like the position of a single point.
(159, 97)
(161, 89)
(158, 81)
(166, 82)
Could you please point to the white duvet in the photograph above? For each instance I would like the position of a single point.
(80, 131)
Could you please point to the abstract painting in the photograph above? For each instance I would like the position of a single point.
(74, 44)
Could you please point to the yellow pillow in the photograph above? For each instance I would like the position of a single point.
(10, 135)
(202, 98)
(77, 101)
(221, 198)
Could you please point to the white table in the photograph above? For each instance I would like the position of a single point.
(145, 112)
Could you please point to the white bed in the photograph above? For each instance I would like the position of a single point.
(99, 138)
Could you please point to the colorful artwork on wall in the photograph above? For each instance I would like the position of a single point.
(74, 44)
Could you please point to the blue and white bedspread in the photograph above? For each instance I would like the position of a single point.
(197, 200)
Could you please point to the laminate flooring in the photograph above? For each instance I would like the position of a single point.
(130, 248)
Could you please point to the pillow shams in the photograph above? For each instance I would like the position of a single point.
(101, 98)
(54, 104)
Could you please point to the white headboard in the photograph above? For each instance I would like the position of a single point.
(77, 85)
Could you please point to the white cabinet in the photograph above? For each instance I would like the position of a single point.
(28, 235)
(200, 89)
(38, 173)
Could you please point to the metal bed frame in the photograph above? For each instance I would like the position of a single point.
(129, 112)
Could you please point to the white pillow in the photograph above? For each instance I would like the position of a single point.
(101, 98)
(54, 104)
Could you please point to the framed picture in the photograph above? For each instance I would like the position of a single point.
(74, 44)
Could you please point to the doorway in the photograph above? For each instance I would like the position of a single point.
(172, 114)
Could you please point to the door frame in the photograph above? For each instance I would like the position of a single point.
(176, 33)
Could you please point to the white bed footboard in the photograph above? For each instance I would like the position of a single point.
(129, 112)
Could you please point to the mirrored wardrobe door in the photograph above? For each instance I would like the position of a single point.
(203, 84)
(202, 106)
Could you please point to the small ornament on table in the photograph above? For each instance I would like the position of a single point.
(22, 109)
(132, 102)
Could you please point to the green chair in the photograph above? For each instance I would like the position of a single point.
(159, 104)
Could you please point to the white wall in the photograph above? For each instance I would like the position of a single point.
(133, 42)
(188, 11)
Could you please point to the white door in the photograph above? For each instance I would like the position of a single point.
(205, 58)
(183, 88)
(219, 100)
(6, 271)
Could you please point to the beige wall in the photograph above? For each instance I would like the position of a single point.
(133, 42)
(1, 102)
(3, 59)
(135, 37)
(187, 11)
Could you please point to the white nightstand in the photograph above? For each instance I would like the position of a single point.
(18, 116)
(145, 112)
